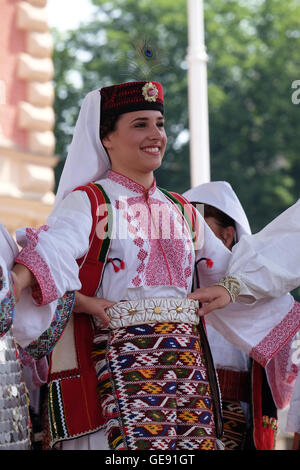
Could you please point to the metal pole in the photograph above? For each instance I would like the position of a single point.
(197, 95)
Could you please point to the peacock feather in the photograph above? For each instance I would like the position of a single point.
(143, 61)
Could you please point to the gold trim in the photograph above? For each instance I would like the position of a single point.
(232, 285)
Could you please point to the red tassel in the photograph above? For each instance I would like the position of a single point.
(209, 263)
(122, 265)
(110, 260)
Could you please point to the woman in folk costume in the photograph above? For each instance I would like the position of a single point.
(153, 337)
(155, 390)
(20, 374)
(241, 379)
(267, 264)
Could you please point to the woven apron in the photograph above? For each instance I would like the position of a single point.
(153, 384)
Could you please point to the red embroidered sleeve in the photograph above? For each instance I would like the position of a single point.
(44, 291)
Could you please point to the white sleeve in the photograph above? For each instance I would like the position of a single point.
(51, 251)
(268, 263)
(260, 329)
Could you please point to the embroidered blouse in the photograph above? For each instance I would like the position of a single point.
(149, 237)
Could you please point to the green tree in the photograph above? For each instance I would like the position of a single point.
(253, 48)
(253, 59)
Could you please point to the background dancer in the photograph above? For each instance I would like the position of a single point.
(243, 382)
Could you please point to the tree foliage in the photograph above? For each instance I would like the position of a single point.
(253, 55)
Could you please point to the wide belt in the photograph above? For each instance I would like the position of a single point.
(155, 310)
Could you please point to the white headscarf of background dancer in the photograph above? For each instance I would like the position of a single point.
(220, 194)
(280, 371)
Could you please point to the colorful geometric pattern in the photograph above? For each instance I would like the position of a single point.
(154, 390)
(7, 304)
(235, 426)
(278, 337)
(73, 404)
(48, 339)
(57, 419)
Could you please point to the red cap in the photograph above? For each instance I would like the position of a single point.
(131, 96)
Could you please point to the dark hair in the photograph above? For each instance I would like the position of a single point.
(223, 219)
(107, 125)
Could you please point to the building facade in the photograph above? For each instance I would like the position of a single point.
(27, 141)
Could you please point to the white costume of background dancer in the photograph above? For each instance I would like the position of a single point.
(268, 262)
(281, 371)
(274, 255)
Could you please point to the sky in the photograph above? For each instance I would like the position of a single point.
(67, 14)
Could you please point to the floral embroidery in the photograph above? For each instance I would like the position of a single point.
(282, 374)
(165, 251)
(268, 421)
(129, 184)
(33, 235)
(136, 281)
(138, 242)
(188, 271)
(278, 337)
(45, 290)
(142, 255)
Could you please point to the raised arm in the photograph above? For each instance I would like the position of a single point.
(268, 263)
(263, 265)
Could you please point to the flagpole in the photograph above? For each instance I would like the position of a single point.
(197, 95)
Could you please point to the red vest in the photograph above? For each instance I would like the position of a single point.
(73, 404)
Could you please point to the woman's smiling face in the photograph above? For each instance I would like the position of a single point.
(138, 143)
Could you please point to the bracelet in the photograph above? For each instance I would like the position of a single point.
(232, 285)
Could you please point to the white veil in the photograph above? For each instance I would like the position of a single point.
(87, 159)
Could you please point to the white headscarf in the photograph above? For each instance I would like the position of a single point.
(220, 194)
(87, 159)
